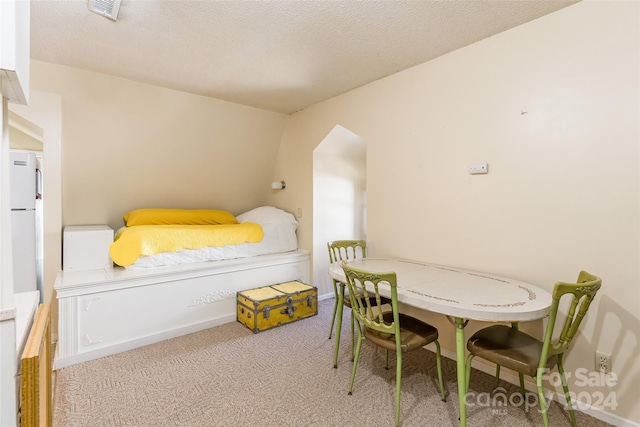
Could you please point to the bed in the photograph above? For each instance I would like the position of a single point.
(164, 294)
(160, 237)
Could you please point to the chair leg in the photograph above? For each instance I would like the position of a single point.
(352, 334)
(497, 376)
(543, 403)
(565, 387)
(439, 367)
(357, 357)
(333, 316)
(398, 383)
(468, 369)
(340, 310)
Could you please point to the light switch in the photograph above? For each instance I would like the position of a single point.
(478, 168)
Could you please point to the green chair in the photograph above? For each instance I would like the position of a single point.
(390, 330)
(342, 250)
(507, 346)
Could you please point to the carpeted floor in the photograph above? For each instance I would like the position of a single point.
(227, 376)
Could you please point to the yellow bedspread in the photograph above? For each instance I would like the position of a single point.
(133, 242)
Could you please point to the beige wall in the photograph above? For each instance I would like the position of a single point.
(552, 106)
(127, 145)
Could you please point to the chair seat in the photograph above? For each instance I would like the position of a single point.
(509, 347)
(414, 333)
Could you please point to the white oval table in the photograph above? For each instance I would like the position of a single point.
(459, 294)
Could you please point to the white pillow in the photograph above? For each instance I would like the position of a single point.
(267, 215)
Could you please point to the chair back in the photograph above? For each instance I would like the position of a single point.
(581, 293)
(341, 250)
(366, 285)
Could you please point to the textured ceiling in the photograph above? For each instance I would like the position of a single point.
(276, 55)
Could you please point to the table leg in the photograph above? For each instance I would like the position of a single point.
(339, 323)
(461, 368)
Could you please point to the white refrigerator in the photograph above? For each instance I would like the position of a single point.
(23, 220)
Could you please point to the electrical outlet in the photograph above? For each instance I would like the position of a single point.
(603, 362)
(7, 313)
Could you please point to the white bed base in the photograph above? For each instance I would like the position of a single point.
(103, 312)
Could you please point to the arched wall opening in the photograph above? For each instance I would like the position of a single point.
(339, 197)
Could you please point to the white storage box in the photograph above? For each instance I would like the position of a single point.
(86, 247)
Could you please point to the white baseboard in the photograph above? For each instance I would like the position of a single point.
(509, 377)
(325, 296)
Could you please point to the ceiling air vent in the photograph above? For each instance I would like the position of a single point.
(108, 8)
